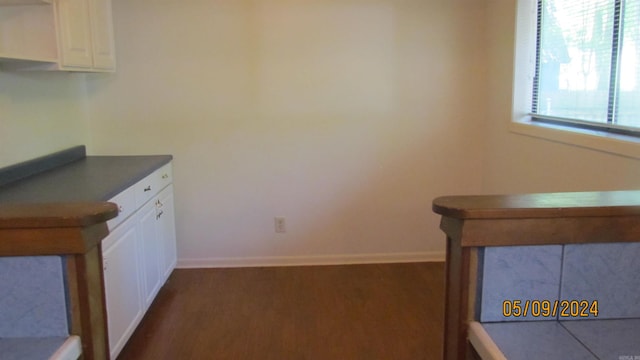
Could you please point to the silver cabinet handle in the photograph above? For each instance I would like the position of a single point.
(159, 214)
(165, 176)
(148, 188)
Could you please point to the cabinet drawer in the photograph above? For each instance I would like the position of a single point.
(126, 202)
(164, 176)
(146, 188)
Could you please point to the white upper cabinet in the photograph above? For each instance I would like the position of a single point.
(74, 33)
(103, 48)
(70, 35)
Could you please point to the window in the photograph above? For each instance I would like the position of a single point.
(587, 64)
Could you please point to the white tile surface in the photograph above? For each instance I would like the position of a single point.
(535, 340)
(30, 348)
(32, 297)
(608, 339)
(608, 273)
(518, 273)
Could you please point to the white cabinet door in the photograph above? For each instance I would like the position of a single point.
(167, 229)
(85, 33)
(151, 252)
(74, 33)
(122, 284)
(102, 34)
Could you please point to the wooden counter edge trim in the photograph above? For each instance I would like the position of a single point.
(520, 232)
(55, 215)
(543, 205)
(51, 241)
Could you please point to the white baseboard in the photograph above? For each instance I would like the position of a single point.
(432, 256)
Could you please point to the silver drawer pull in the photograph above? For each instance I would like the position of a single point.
(148, 188)
(159, 214)
(165, 176)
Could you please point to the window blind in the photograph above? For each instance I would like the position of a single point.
(588, 63)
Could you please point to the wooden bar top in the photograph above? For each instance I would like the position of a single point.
(546, 205)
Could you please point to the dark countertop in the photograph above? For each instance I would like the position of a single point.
(86, 179)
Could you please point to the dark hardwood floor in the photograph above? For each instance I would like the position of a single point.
(377, 311)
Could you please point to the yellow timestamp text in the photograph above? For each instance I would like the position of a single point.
(550, 308)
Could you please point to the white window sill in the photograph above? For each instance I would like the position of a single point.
(592, 139)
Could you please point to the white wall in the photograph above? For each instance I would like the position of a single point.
(518, 163)
(40, 113)
(346, 117)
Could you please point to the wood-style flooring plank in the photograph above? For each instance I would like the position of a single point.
(376, 311)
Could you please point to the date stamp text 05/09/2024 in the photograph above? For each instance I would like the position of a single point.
(550, 308)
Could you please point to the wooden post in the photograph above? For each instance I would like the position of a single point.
(474, 222)
(73, 231)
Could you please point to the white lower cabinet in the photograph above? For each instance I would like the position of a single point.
(139, 255)
(152, 252)
(166, 217)
(122, 284)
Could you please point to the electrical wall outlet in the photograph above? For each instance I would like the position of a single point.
(280, 224)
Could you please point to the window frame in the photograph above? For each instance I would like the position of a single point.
(525, 123)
